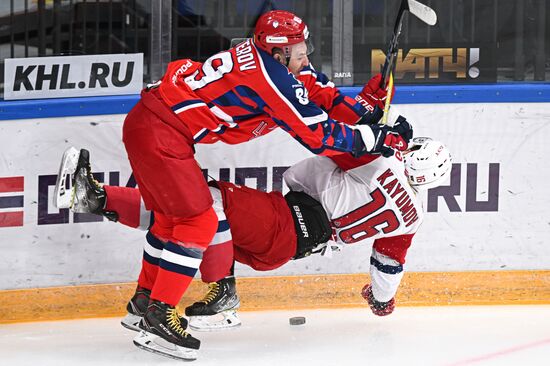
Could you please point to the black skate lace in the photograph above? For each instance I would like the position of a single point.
(175, 323)
(92, 179)
(214, 288)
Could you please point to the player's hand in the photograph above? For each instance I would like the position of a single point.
(374, 139)
(400, 135)
(378, 308)
(373, 94)
(371, 117)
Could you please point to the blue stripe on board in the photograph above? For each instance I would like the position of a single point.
(11, 202)
(483, 93)
(405, 94)
(65, 107)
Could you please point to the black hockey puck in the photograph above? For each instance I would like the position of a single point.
(297, 320)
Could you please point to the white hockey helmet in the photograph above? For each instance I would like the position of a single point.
(428, 163)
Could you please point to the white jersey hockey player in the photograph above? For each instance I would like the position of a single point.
(347, 200)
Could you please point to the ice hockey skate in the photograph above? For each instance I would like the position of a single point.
(163, 333)
(89, 195)
(86, 195)
(137, 306)
(218, 309)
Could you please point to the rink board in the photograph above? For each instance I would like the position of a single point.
(290, 292)
(484, 239)
(493, 215)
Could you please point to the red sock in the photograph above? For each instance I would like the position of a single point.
(126, 202)
(150, 263)
(177, 267)
(181, 259)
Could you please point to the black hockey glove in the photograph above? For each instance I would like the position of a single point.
(371, 118)
(374, 139)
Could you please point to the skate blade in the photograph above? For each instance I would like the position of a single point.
(221, 321)
(62, 197)
(155, 344)
(131, 321)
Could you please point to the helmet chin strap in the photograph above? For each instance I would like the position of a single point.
(283, 59)
(287, 53)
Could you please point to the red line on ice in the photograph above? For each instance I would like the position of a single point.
(501, 353)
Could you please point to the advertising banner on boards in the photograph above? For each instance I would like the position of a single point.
(439, 64)
(73, 76)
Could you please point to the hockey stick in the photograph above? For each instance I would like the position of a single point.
(422, 12)
(388, 98)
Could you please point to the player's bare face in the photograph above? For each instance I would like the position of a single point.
(298, 58)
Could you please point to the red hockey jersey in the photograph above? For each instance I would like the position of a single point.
(243, 93)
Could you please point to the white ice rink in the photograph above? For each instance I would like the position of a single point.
(482, 335)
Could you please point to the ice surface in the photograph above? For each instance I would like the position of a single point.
(481, 335)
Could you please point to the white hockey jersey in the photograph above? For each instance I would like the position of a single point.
(368, 198)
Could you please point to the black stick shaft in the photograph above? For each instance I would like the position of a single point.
(391, 55)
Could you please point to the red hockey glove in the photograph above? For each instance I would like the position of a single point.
(400, 135)
(378, 308)
(372, 94)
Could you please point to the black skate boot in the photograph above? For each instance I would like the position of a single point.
(218, 309)
(137, 306)
(163, 333)
(89, 195)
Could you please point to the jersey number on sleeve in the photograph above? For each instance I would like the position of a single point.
(369, 227)
(213, 69)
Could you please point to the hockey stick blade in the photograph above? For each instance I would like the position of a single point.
(422, 12)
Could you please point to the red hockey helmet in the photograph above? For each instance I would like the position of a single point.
(281, 29)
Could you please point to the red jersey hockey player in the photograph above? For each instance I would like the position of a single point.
(234, 96)
(340, 198)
